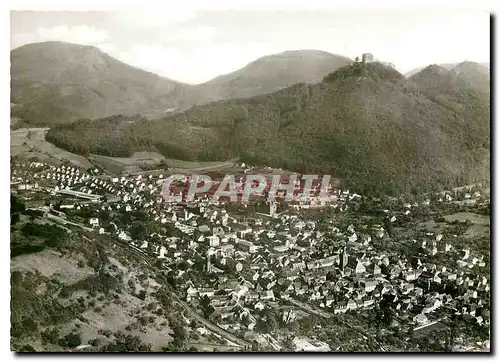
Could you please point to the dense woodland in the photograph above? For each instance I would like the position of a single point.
(365, 123)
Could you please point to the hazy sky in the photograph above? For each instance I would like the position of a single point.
(194, 47)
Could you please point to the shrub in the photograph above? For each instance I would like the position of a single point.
(71, 340)
(50, 336)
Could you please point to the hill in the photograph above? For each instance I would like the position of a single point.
(365, 123)
(70, 288)
(272, 73)
(54, 82)
(447, 66)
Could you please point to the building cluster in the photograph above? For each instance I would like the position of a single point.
(234, 268)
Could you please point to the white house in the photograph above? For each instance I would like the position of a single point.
(123, 236)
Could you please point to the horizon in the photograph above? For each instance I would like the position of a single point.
(201, 46)
(414, 70)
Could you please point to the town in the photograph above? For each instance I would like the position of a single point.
(355, 272)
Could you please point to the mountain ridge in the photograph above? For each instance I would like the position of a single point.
(53, 82)
(447, 66)
(271, 73)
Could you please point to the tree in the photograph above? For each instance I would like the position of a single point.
(293, 326)
(268, 325)
(388, 226)
(29, 326)
(164, 164)
(50, 336)
(179, 332)
(104, 215)
(71, 340)
(307, 323)
(129, 343)
(125, 218)
(255, 346)
(27, 348)
(142, 294)
(288, 345)
(14, 219)
(138, 231)
(16, 205)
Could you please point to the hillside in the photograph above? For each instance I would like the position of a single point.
(54, 82)
(72, 288)
(272, 73)
(366, 124)
(447, 66)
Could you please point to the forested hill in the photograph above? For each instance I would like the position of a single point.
(365, 123)
(56, 82)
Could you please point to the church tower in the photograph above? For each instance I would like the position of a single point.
(209, 263)
(272, 208)
(344, 259)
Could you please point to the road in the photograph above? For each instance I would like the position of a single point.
(220, 347)
(214, 167)
(211, 326)
(308, 308)
(199, 319)
(63, 221)
(206, 323)
(140, 253)
(173, 170)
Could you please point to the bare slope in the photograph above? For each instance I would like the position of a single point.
(272, 73)
(447, 66)
(54, 82)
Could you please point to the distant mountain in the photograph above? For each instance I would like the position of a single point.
(447, 66)
(364, 123)
(272, 73)
(54, 82)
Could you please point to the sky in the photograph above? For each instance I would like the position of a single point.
(195, 46)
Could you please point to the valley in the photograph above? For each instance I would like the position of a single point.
(296, 201)
(132, 272)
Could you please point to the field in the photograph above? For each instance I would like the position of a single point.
(473, 218)
(199, 166)
(480, 224)
(30, 142)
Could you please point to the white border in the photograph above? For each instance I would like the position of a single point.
(215, 5)
(261, 5)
